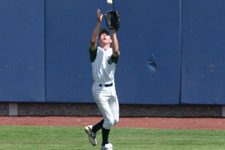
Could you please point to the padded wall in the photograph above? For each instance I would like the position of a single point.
(148, 71)
(203, 52)
(152, 37)
(172, 52)
(22, 51)
(69, 25)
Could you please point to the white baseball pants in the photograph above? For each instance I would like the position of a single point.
(107, 102)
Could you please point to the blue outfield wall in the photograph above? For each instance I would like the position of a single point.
(69, 25)
(148, 71)
(22, 71)
(203, 52)
(172, 52)
(68, 37)
(68, 29)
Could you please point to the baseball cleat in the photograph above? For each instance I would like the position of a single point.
(91, 135)
(107, 147)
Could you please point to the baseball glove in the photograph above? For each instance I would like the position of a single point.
(112, 19)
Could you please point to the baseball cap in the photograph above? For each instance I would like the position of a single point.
(103, 31)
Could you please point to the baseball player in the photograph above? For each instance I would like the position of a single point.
(104, 59)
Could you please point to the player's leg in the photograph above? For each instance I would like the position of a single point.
(95, 92)
(102, 102)
(91, 135)
(114, 106)
(92, 130)
(98, 126)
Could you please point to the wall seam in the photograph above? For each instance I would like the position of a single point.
(45, 65)
(180, 41)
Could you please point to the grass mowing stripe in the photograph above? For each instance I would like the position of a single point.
(74, 138)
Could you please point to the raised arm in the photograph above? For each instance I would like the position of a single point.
(115, 44)
(96, 31)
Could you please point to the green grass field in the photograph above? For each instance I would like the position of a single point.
(74, 138)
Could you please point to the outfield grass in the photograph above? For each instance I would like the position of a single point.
(74, 138)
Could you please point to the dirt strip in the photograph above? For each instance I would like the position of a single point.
(154, 123)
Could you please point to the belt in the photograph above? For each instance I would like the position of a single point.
(106, 85)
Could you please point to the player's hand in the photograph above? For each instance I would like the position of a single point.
(113, 31)
(99, 16)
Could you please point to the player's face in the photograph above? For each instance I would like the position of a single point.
(105, 39)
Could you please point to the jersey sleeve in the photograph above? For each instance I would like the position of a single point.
(93, 54)
(114, 59)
